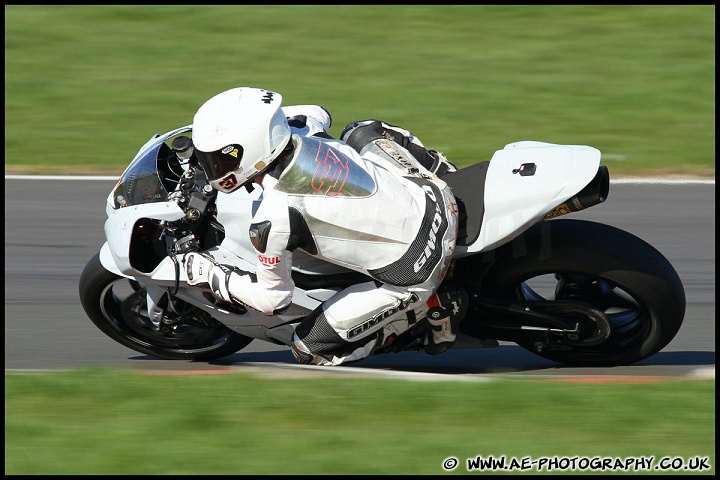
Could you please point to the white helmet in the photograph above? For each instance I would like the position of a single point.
(237, 134)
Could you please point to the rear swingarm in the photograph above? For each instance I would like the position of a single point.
(554, 325)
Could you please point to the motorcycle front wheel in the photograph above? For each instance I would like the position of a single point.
(118, 307)
(602, 267)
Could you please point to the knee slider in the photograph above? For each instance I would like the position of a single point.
(301, 356)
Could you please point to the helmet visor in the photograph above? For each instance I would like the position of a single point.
(219, 163)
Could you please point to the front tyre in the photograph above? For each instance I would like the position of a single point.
(603, 267)
(118, 308)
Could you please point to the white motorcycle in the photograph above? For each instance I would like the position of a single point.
(576, 292)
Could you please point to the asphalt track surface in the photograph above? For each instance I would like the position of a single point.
(53, 226)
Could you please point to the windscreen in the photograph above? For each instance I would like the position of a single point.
(140, 183)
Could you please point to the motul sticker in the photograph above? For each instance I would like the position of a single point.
(268, 260)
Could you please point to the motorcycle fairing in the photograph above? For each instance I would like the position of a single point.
(121, 224)
(513, 200)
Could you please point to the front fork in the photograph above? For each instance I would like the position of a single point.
(154, 297)
(157, 302)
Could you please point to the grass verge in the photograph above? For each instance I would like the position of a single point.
(106, 421)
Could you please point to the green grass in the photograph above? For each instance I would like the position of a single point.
(86, 86)
(102, 421)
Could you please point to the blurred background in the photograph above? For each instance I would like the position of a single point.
(86, 86)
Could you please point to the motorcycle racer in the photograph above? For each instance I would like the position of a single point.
(372, 201)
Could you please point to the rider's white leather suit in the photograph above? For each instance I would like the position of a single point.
(382, 214)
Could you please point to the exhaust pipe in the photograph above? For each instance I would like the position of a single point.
(595, 192)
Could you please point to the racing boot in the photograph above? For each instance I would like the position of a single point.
(432, 160)
(448, 307)
(360, 134)
(440, 164)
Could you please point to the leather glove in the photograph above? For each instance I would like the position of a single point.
(204, 271)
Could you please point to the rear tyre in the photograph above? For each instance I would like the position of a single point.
(606, 268)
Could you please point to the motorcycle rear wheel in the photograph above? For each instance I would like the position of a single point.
(604, 267)
(118, 308)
